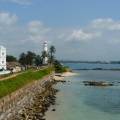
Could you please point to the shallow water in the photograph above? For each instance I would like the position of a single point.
(78, 102)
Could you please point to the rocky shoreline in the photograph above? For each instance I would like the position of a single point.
(32, 101)
(41, 103)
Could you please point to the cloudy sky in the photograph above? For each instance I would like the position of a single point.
(80, 29)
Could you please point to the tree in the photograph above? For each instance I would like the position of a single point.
(52, 51)
(38, 60)
(44, 54)
(11, 58)
(58, 67)
(27, 59)
(22, 59)
(30, 57)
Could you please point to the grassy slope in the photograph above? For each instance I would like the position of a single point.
(10, 85)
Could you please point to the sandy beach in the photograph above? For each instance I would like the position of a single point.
(60, 77)
(67, 74)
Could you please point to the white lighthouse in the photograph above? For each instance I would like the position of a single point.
(2, 58)
(45, 49)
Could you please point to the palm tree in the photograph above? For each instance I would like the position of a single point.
(52, 51)
(44, 55)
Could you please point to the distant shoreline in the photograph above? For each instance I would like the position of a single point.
(92, 62)
(101, 69)
(98, 66)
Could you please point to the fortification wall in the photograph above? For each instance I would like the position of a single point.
(17, 100)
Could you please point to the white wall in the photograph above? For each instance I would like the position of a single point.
(2, 57)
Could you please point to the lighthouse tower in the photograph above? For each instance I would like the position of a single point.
(45, 49)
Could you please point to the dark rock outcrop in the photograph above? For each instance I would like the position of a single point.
(97, 83)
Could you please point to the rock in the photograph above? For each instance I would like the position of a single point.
(53, 109)
(39, 105)
(97, 83)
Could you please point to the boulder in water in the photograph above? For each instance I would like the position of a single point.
(97, 83)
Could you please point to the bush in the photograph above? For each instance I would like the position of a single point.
(59, 68)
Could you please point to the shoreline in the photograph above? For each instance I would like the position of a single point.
(41, 103)
(11, 106)
(36, 100)
(61, 76)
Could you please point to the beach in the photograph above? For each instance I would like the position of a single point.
(61, 76)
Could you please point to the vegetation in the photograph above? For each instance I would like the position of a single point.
(10, 85)
(27, 58)
(44, 54)
(22, 59)
(38, 60)
(30, 58)
(52, 51)
(59, 68)
(11, 58)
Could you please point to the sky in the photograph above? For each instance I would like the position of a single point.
(79, 29)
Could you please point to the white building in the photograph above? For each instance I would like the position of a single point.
(45, 49)
(2, 58)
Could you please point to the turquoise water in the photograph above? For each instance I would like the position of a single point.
(78, 102)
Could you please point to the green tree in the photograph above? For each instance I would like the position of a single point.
(27, 59)
(59, 68)
(52, 51)
(30, 57)
(11, 58)
(38, 60)
(44, 54)
(22, 59)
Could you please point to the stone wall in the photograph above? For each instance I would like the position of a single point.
(17, 100)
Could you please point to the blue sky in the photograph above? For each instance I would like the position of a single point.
(80, 29)
(63, 12)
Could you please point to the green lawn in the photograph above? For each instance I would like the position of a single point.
(10, 85)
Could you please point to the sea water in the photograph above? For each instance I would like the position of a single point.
(78, 102)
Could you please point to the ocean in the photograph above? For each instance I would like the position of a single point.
(75, 101)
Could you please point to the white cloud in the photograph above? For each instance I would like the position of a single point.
(7, 18)
(107, 24)
(93, 31)
(37, 31)
(11, 33)
(80, 35)
(101, 37)
(37, 27)
(21, 2)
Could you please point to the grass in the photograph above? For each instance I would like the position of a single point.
(12, 84)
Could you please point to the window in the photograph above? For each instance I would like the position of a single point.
(3, 54)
